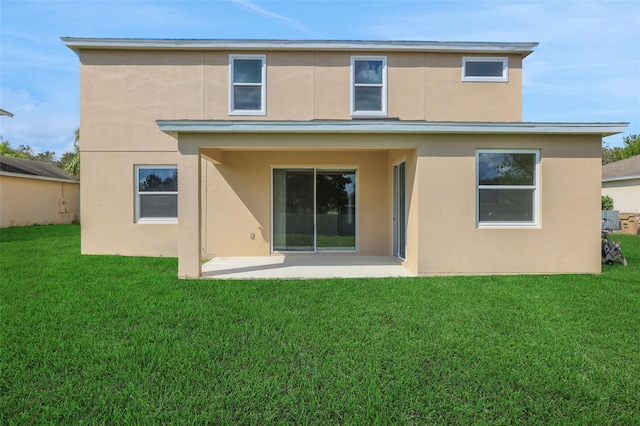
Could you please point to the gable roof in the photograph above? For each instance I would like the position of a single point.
(629, 168)
(34, 169)
(522, 48)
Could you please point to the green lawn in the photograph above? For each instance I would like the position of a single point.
(108, 339)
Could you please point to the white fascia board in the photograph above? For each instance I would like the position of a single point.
(618, 178)
(76, 43)
(51, 179)
(379, 126)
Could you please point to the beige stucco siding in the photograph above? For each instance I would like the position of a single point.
(331, 97)
(28, 201)
(291, 86)
(108, 206)
(239, 198)
(224, 187)
(443, 237)
(124, 92)
(567, 237)
(447, 97)
(625, 194)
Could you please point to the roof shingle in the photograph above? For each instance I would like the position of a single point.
(34, 168)
(622, 168)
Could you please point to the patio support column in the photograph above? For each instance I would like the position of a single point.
(189, 246)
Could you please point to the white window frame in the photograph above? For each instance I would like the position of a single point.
(262, 85)
(383, 86)
(139, 219)
(505, 68)
(536, 190)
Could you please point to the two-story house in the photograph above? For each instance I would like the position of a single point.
(415, 150)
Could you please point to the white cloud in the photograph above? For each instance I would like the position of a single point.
(38, 124)
(276, 17)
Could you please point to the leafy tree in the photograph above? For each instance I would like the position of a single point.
(154, 182)
(65, 159)
(513, 169)
(47, 157)
(631, 148)
(24, 151)
(631, 145)
(607, 202)
(71, 160)
(331, 190)
(8, 151)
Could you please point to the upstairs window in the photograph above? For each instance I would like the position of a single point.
(485, 69)
(156, 193)
(507, 185)
(368, 86)
(247, 86)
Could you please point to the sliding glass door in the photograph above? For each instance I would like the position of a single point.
(336, 210)
(293, 207)
(314, 210)
(400, 211)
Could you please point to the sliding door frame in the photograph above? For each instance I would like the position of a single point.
(315, 169)
(399, 209)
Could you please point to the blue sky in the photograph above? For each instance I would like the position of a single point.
(586, 69)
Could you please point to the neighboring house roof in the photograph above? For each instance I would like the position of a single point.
(7, 113)
(22, 167)
(629, 168)
(76, 43)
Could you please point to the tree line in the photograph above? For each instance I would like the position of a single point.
(631, 147)
(69, 161)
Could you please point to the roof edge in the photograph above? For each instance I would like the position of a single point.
(78, 43)
(381, 126)
(616, 178)
(38, 177)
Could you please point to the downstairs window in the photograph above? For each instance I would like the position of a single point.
(156, 193)
(507, 187)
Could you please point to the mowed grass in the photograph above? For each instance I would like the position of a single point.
(113, 340)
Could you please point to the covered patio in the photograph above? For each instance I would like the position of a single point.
(270, 197)
(303, 267)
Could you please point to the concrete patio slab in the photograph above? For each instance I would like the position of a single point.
(303, 267)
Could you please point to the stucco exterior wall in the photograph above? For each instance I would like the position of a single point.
(124, 92)
(443, 237)
(29, 201)
(447, 97)
(239, 199)
(567, 238)
(108, 206)
(625, 194)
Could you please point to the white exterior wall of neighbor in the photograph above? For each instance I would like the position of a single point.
(625, 193)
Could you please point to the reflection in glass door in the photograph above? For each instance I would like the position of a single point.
(293, 205)
(335, 210)
(314, 210)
